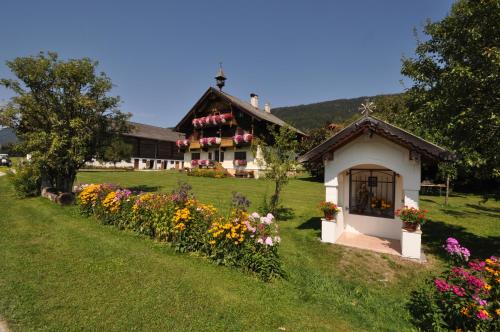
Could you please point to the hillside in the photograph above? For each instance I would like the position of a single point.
(306, 117)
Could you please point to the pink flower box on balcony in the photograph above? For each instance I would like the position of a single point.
(195, 162)
(206, 162)
(182, 143)
(239, 162)
(210, 141)
(212, 120)
(240, 139)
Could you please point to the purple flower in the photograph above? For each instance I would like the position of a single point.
(454, 249)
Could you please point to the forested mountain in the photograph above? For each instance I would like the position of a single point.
(310, 116)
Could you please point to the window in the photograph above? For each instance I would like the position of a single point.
(171, 162)
(210, 156)
(195, 156)
(371, 192)
(240, 155)
(217, 156)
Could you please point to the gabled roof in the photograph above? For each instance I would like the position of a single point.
(152, 132)
(384, 129)
(243, 105)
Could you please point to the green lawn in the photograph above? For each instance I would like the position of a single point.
(60, 271)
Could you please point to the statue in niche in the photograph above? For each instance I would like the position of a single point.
(362, 198)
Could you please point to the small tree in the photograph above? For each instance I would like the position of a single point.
(62, 114)
(117, 151)
(278, 159)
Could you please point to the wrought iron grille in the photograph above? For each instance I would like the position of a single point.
(372, 192)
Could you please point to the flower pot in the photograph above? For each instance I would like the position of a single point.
(410, 227)
(329, 215)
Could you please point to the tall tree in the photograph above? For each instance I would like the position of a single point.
(455, 99)
(278, 159)
(62, 114)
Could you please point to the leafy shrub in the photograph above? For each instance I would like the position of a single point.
(466, 297)
(26, 180)
(244, 240)
(209, 173)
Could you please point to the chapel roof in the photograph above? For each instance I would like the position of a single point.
(371, 124)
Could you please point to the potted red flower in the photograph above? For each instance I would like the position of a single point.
(329, 209)
(412, 218)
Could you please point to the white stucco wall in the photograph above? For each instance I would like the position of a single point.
(143, 163)
(252, 164)
(372, 152)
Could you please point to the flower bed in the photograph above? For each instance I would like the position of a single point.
(466, 297)
(248, 241)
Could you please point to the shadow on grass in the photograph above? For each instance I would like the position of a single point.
(313, 223)
(435, 234)
(483, 208)
(145, 188)
(284, 213)
(427, 200)
(454, 213)
(311, 179)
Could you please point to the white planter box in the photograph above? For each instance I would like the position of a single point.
(328, 230)
(411, 243)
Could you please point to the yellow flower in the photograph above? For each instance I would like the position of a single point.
(465, 311)
(497, 312)
(487, 287)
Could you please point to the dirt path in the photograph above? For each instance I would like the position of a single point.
(3, 326)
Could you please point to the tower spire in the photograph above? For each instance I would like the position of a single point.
(220, 78)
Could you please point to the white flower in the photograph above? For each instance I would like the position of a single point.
(255, 216)
(277, 239)
(259, 240)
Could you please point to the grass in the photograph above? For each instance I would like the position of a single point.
(61, 271)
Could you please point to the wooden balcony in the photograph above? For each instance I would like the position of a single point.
(195, 145)
(226, 142)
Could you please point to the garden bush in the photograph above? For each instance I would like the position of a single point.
(208, 173)
(240, 239)
(466, 297)
(26, 180)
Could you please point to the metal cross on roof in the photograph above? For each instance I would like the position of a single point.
(367, 108)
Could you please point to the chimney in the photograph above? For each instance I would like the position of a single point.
(254, 100)
(267, 107)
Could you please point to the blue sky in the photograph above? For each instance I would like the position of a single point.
(163, 55)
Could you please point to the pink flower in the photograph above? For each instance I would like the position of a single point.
(441, 285)
(482, 314)
(249, 227)
(268, 241)
(477, 266)
(459, 291)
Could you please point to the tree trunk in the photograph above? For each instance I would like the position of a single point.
(65, 182)
(275, 197)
